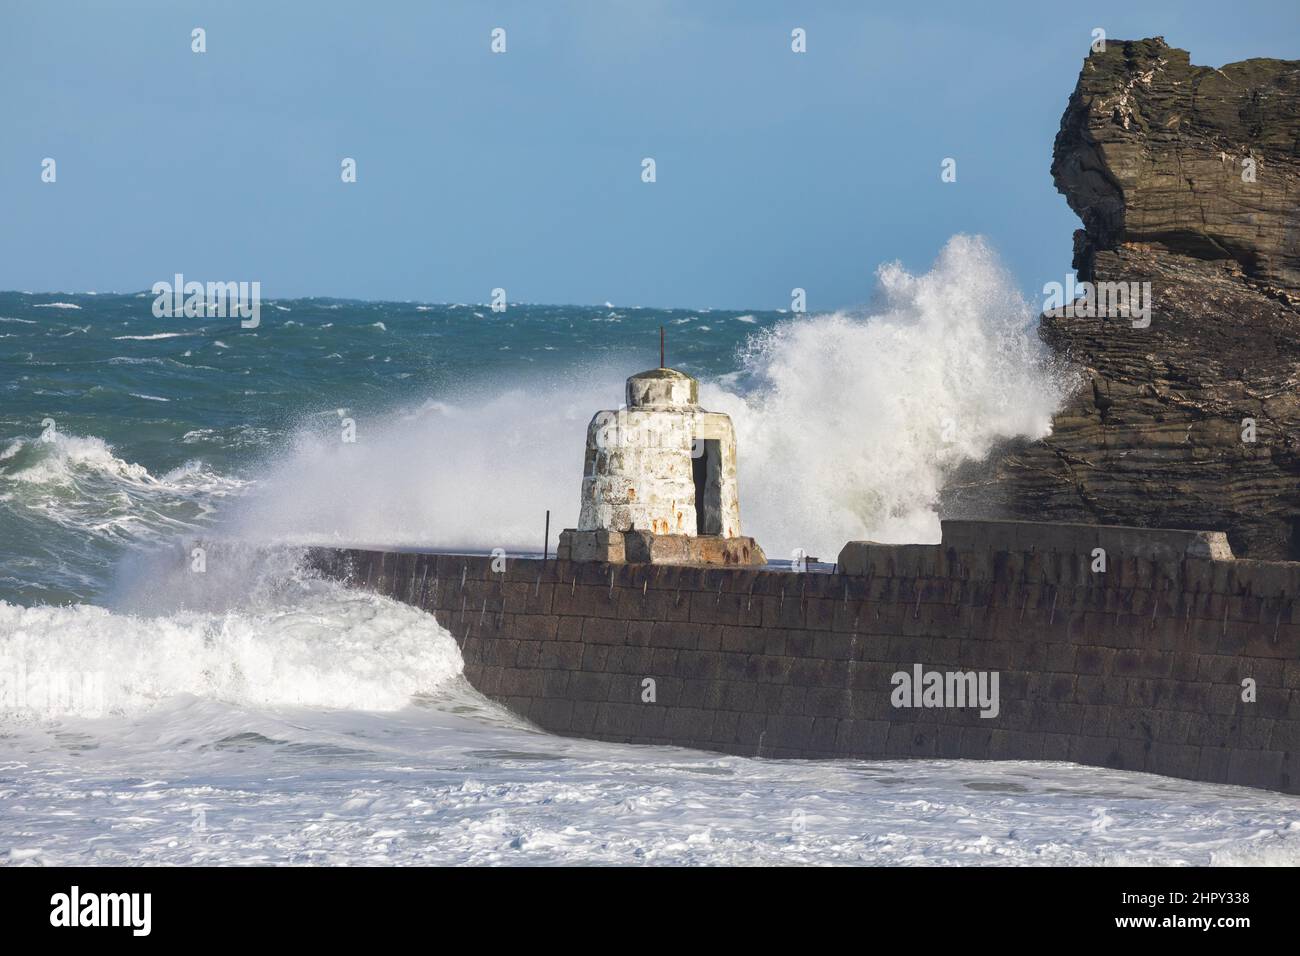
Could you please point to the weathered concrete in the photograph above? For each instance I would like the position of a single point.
(1140, 667)
(642, 547)
(640, 472)
(1160, 544)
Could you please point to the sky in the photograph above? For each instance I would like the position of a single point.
(523, 170)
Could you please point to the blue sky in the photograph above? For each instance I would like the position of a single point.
(523, 170)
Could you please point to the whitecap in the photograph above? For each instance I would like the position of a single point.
(316, 647)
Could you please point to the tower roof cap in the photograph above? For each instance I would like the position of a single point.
(662, 388)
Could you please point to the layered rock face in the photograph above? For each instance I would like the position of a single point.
(1151, 155)
(1189, 159)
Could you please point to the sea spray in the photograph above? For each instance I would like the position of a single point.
(851, 424)
(477, 470)
(847, 427)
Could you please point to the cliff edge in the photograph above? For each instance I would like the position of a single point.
(1188, 178)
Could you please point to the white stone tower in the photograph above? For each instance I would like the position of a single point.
(659, 481)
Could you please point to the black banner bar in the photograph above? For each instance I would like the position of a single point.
(304, 906)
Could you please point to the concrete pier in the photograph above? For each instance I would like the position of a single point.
(1175, 659)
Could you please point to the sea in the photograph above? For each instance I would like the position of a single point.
(176, 687)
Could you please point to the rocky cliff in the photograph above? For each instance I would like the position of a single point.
(1187, 178)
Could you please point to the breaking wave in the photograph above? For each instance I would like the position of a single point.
(852, 425)
(252, 630)
(78, 483)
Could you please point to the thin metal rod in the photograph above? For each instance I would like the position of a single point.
(546, 541)
(661, 347)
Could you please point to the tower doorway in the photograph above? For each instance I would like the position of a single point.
(706, 468)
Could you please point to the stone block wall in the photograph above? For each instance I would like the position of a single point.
(1139, 667)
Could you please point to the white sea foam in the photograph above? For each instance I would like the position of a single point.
(316, 647)
(151, 338)
(56, 305)
(197, 780)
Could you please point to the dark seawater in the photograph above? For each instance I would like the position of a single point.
(159, 422)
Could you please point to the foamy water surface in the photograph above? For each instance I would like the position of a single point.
(334, 727)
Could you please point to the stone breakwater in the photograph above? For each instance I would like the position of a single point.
(1175, 659)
